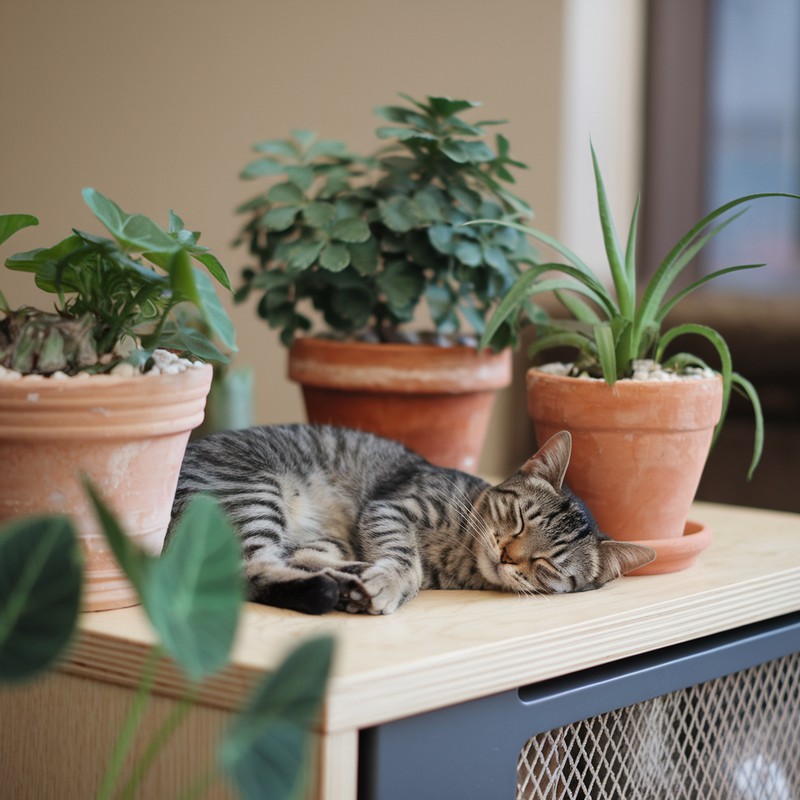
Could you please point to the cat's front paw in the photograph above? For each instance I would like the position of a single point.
(385, 591)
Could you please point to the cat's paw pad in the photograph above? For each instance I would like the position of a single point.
(352, 594)
(385, 593)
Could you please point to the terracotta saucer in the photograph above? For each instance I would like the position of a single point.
(675, 554)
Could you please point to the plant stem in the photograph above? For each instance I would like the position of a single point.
(157, 742)
(130, 726)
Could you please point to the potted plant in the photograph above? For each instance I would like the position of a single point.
(642, 423)
(361, 243)
(87, 389)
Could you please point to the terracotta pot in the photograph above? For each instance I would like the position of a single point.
(128, 435)
(638, 452)
(435, 400)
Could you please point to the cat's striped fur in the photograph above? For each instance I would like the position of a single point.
(338, 519)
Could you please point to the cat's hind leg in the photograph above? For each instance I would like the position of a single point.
(289, 587)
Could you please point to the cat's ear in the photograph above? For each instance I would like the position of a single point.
(617, 558)
(551, 460)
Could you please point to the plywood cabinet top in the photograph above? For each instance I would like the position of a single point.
(446, 647)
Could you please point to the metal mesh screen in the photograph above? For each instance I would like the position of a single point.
(733, 738)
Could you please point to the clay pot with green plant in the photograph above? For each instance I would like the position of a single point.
(639, 444)
(371, 244)
(89, 389)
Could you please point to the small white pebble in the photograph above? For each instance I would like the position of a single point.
(124, 370)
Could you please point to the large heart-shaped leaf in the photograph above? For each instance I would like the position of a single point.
(266, 749)
(194, 592)
(40, 590)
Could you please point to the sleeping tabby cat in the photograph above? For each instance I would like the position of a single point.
(331, 518)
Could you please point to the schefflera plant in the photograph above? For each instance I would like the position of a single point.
(116, 298)
(366, 239)
(611, 328)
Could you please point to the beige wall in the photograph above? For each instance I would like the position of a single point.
(156, 104)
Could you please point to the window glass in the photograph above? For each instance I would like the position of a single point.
(754, 140)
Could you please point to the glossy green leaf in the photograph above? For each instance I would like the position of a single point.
(622, 280)
(215, 269)
(441, 237)
(529, 283)
(604, 341)
(334, 257)
(745, 387)
(182, 277)
(326, 148)
(213, 311)
(284, 148)
(351, 230)
(398, 214)
(364, 256)
(675, 299)
(302, 254)
(194, 592)
(134, 231)
(402, 283)
(285, 193)
(260, 168)
(40, 591)
(319, 214)
(469, 253)
(267, 747)
(720, 345)
(279, 218)
(467, 152)
(11, 223)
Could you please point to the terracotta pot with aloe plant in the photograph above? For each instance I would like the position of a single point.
(360, 245)
(642, 422)
(96, 388)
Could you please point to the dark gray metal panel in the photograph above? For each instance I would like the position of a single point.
(469, 751)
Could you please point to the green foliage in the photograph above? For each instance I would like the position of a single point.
(192, 596)
(129, 287)
(365, 239)
(267, 745)
(40, 591)
(615, 328)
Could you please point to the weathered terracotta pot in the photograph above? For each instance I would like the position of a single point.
(127, 435)
(435, 400)
(638, 452)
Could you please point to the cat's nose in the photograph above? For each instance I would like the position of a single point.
(505, 558)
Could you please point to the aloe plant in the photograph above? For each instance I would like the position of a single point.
(611, 328)
(127, 287)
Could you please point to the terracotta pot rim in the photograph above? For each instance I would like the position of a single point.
(103, 406)
(74, 383)
(399, 368)
(623, 384)
(390, 347)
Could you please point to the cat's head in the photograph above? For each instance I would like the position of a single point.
(535, 536)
